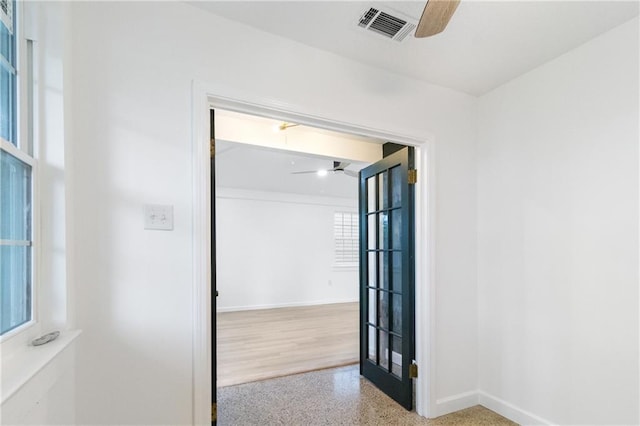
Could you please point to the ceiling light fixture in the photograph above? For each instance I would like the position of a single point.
(283, 126)
(322, 173)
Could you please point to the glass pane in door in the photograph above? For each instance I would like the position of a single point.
(384, 350)
(396, 356)
(371, 194)
(383, 230)
(383, 191)
(371, 232)
(371, 270)
(373, 311)
(372, 344)
(396, 323)
(383, 306)
(396, 271)
(396, 187)
(383, 270)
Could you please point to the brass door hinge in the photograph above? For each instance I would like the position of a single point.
(413, 176)
(413, 371)
(212, 147)
(214, 412)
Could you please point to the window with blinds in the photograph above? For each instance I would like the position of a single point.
(345, 228)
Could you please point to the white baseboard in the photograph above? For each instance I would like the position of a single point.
(509, 410)
(454, 403)
(284, 305)
(464, 400)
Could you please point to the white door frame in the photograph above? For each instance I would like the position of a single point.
(207, 96)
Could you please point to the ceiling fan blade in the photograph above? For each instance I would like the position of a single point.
(351, 173)
(304, 172)
(338, 166)
(435, 17)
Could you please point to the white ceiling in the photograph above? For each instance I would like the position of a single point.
(250, 167)
(485, 45)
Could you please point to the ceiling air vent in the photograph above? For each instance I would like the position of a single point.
(386, 24)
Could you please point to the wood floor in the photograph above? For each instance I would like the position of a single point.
(262, 344)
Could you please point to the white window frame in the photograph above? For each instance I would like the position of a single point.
(26, 151)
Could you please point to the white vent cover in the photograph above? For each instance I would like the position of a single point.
(386, 24)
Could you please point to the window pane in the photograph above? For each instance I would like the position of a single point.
(7, 105)
(7, 30)
(15, 286)
(15, 249)
(7, 71)
(15, 198)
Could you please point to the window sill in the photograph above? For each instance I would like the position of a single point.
(23, 364)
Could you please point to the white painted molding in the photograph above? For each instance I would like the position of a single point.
(454, 403)
(285, 305)
(201, 356)
(510, 411)
(233, 100)
(425, 278)
(207, 95)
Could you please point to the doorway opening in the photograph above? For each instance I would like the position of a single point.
(287, 255)
(202, 313)
(286, 262)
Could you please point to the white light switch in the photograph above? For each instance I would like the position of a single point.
(158, 217)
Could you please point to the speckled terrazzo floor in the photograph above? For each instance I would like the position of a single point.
(337, 396)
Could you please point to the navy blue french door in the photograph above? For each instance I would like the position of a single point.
(387, 341)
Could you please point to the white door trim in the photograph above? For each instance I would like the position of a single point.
(206, 96)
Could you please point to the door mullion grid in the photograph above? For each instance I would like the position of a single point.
(377, 245)
(387, 272)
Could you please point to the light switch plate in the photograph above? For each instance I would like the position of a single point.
(158, 217)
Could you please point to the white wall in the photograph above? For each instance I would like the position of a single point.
(133, 67)
(277, 249)
(558, 238)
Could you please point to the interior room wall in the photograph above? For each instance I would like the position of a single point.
(133, 64)
(277, 249)
(558, 238)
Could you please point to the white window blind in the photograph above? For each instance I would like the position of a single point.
(345, 225)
